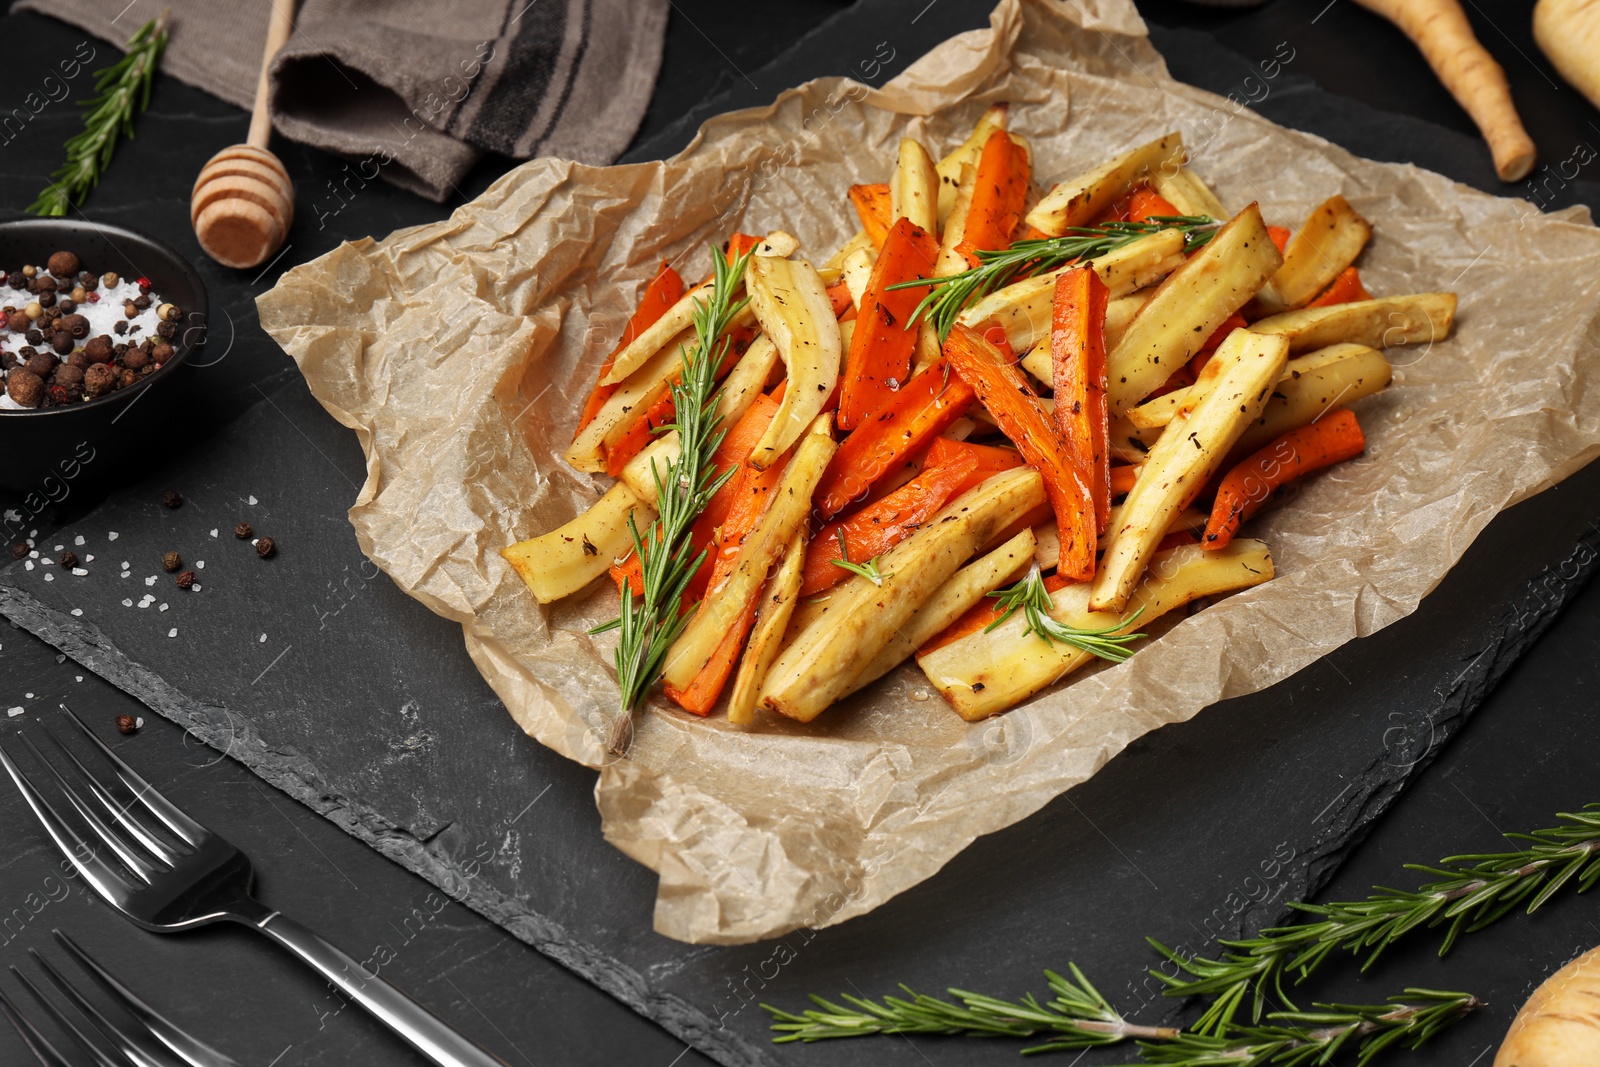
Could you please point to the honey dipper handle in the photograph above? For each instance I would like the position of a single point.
(277, 33)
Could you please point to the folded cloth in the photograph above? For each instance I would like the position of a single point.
(417, 90)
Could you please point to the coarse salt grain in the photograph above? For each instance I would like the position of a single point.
(78, 678)
(34, 554)
(89, 558)
(112, 536)
(125, 564)
(28, 695)
(163, 607)
(127, 602)
(252, 501)
(213, 533)
(262, 639)
(13, 712)
(199, 564)
(28, 564)
(77, 611)
(49, 577)
(151, 580)
(60, 547)
(79, 571)
(127, 574)
(195, 588)
(78, 540)
(172, 632)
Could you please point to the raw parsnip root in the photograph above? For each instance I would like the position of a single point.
(1569, 33)
(1440, 30)
(1559, 1026)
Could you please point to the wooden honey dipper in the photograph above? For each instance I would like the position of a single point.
(243, 200)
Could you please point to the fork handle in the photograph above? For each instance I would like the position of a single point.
(422, 1029)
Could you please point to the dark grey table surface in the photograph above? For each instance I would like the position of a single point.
(1518, 761)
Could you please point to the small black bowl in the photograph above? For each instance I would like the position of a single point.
(46, 453)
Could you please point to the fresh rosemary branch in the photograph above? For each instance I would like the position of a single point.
(1079, 1017)
(648, 627)
(996, 270)
(1302, 1038)
(1077, 1012)
(868, 570)
(124, 90)
(1031, 596)
(1470, 893)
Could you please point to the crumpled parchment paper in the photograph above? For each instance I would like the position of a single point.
(460, 352)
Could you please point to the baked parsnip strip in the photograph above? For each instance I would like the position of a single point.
(1387, 322)
(1329, 241)
(785, 516)
(966, 587)
(793, 308)
(985, 673)
(966, 154)
(1047, 550)
(778, 597)
(1301, 400)
(1189, 450)
(1189, 307)
(1080, 201)
(1183, 189)
(914, 188)
(822, 661)
(566, 559)
(1368, 375)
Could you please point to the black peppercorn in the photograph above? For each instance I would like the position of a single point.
(34, 337)
(171, 499)
(69, 558)
(121, 327)
(44, 284)
(186, 579)
(67, 305)
(167, 330)
(89, 281)
(265, 548)
(127, 377)
(171, 561)
(47, 298)
(19, 550)
(127, 724)
(243, 531)
(141, 301)
(79, 359)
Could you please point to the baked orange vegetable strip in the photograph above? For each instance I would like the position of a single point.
(735, 446)
(1333, 438)
(878, 527)
(999, 194)
(1198, 361)
(664, 290)
(1003, 390)
(1078, 375)
(1346, 289)
(909, 419)
(987, 459)
(1145, 203)
(979, 616)
(839, 296)
(701, 695)
(741, 243)
(872, 206)
(1280, 236)
(879, 360)
(1123, 477)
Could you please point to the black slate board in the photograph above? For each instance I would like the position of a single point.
(421, 761)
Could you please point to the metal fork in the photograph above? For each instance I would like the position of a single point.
(132, 1050)
(201, 879)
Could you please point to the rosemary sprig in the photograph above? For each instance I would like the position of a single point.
(1033, 599)
(996, 270)
(1077, 1012)
(1302, 1038)
(868, 570)
(124, 90)
(1079, 1017)
(1470, 893)
(648, 627)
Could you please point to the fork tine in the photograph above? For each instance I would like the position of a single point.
(191, 1049)
(152, 844)
(108, 1029)
(136, 863)
(42, 1050)
(158, 805)
(100, 1058)
(107, 881)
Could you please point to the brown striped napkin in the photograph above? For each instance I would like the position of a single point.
(417, 90)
